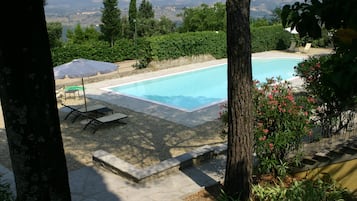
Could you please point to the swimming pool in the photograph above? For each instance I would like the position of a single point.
(193, 90)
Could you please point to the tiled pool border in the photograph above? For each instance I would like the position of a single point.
(186, 118)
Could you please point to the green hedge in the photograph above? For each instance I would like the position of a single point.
(177, 45)
(97, 50)
(171, 46)
(270, 38)
(195, 43)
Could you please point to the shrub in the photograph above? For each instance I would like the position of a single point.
(282, 120)
(173, 46)
(267, 38)
(323, 188)
(97, 50)
(331, 80)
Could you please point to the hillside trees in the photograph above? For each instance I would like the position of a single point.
(239, 167)
(111, 21)
(147, 25)
(80, 35)
(276, 15)
(145, 10)
(132, 18)
(165, 26)
(54, 30)
(204, 18)
(83, 42)
(27, 91)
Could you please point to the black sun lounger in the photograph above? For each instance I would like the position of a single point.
(95, 123)
(95, 110)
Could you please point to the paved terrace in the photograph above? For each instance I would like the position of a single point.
(189, 172)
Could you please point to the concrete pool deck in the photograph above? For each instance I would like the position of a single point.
(190, 119)
(98, 91)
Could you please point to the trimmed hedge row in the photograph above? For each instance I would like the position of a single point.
(97, 50)
(270, 38)
(171, 46)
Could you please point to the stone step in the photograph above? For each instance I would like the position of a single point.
(120, 167)
(309, 161)
(349, 150)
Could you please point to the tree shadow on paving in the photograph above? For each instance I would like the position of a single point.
(86, 182)
(89, 183)
(143, 141)
(209, 175)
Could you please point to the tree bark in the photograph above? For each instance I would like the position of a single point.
(238, 176)
(27, 91)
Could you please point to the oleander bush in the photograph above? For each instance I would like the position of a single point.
(282, 120)
(331, 80)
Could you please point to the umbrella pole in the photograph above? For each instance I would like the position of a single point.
(84, 95)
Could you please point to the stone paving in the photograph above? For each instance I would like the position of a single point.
(94, 183)
(97, 184)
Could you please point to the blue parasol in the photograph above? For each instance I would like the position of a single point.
(79, 68)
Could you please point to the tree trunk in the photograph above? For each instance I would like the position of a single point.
(238, 177)
(27, 91)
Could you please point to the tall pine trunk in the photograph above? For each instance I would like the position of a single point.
(27, 91)
(238, 177)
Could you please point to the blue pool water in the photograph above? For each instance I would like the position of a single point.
(197, 89)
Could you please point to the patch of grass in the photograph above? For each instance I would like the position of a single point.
(287, 189)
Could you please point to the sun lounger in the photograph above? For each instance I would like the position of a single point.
(96, 123)
(92, 110)
(307, 48)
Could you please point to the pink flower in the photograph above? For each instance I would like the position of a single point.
(311, 100)
(290, 97)
(265, 131)
(263, 138)
(271, 146)
(273, 102)
(281, 109)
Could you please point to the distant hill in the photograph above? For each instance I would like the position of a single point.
(80, 5)
(88, 12)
